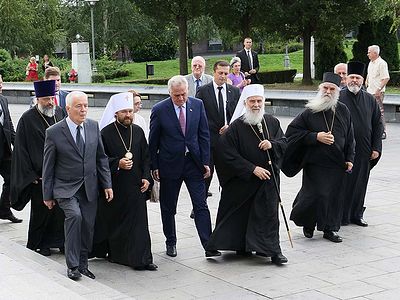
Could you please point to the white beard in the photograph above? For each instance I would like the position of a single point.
(354, 88)
(253, 118)
(48, 112)
(323, 102)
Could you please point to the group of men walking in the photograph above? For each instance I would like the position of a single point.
(88, 186)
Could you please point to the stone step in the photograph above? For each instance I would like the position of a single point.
(25, 274)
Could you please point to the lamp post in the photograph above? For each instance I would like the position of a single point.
(92, 3)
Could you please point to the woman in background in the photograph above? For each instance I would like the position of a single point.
(238, 79)
(32, 70)
(46, 62)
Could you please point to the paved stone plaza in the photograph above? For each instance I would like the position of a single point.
(365, 266)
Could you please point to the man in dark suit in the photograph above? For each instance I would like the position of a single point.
(74, 165)
(53, 73)
(7, 136)
(179, 145)
(220, 101)
(249, 58)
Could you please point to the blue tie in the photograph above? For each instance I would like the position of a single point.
(197, 84)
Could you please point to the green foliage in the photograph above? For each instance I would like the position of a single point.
(13, 69)
(280, 47)
(377, 33)
(4, 55)
(387, 42)
(365, 38)
(394, 78)
(111, 69)
(98, 78)
(152, 50)
(328, 53)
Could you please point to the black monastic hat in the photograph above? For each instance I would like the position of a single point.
(45, 88)
(332, 78)
(356, 67)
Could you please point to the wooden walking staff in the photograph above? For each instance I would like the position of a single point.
(276, 187)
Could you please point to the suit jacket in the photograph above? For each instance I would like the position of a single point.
(65, 169)
(8, 127)
(245, 65)
(167, 143)
(192, 83)
(62, 97)
(207, 94)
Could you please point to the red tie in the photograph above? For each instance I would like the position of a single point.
(56, 99)
(182, 121)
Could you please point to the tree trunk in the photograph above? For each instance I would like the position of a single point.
(306, 57)
(190, 48)
(105, 30)
(183, 60)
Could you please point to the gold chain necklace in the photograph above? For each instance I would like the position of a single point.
(259, 125)
(47, 123)
(326, 122)
(128, 153)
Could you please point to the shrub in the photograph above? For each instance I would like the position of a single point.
(277, 76)
(111, 69)
(153, 51)
(98, 78)
(327, 54)
(4, 55)
(13, 69)
(157, 81)
(394, 78)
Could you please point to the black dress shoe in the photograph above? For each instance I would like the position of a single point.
(279, 259)
(308, 232)
(149, 267)
(11, 218)
(360, 222)
(73, 273)
(171, 251)
(192, 214)
(62, 250)
(211, 253)
(44, 251)
(332, 236)
(87, 273)
(384, 136)
(209, 194)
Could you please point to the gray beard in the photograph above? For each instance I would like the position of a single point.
(48, 112)
(252, 118)
(323, 102)
(354, 89)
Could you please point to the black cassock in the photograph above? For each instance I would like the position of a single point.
(320, 199)
(46, 227)
(121, 230)
(247, 217)
(368, 130)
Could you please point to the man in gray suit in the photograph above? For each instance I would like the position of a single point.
(197, 78)
(74, 165)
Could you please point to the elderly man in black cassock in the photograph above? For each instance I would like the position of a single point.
(247, 217)
(368, 130)
(121, 231)
(46, 227)
(321, 142)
